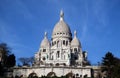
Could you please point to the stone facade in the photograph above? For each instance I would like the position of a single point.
(59, 71)
(61, 56)
(62, 49)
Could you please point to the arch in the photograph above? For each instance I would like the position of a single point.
(75, 49)
(58, 54)
(77, 75)
(85, 76)
(64, 64)
(41, 62)
(58, 43)
(51, 64)
(57, 64)
(32, 75)
(66, 43)
(63, 42)
(70, 75)
(51, 74)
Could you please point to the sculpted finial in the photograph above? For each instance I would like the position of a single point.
(61, 15)
(45, 34)
(75, 33)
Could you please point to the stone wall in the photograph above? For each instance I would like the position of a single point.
(59, 71)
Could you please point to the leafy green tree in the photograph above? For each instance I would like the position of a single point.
(116, 70)
(1, 70)
(111, 65)
(108, 60)
(4, 53)
(6, 58)
(11, 61)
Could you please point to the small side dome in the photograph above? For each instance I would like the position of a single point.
(75, 41)
(45, 42)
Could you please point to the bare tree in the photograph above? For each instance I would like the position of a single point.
(26, 60)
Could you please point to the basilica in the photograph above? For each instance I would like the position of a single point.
(60, 56)
(62, 49)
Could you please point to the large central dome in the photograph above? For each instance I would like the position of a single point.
(61, 28)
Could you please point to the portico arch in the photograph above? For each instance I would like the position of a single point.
(70, 75)
(32, 75)
(51, 74)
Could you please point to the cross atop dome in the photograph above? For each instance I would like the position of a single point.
(61, 15)
(75, 33)
(45, 35)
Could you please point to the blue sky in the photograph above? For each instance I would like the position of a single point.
(23, 23)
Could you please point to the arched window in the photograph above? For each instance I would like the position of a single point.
(75, 49)
(44, 50)
(58, 54)
(57, 43)
(52, 44)
(77, 75)
(66, 43)
(63, 42)
(80, 75)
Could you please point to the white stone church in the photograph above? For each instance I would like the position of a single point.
(62, 56)
(62, 49)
